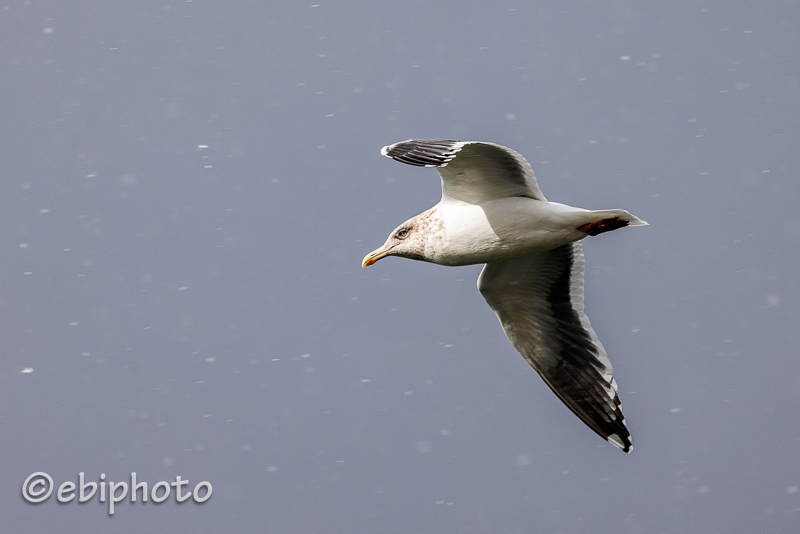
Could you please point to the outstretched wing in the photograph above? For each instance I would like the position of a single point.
(539, 301)
(471, 171)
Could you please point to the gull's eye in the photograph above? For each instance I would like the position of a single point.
(402, 233)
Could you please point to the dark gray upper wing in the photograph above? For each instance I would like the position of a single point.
(471, 171)
(539, 301)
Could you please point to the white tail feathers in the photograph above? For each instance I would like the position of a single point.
(631, 219)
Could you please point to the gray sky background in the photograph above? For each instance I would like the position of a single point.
(202, 311)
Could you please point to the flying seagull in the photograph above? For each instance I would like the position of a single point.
(493, 212)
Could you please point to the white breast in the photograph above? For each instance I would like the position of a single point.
(503, 229)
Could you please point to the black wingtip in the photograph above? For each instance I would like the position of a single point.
(424, 152)
(622, 442)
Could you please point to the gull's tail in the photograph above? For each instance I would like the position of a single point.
(629, 218)
(603, 221)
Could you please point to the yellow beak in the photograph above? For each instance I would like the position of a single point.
(375, 255)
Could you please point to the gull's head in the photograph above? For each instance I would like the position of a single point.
(405, 241)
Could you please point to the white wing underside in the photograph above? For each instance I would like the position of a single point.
(471, 171)
(539, 301)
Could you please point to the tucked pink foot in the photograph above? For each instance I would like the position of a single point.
(603, 225)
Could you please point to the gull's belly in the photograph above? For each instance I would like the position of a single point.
(504, 229)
